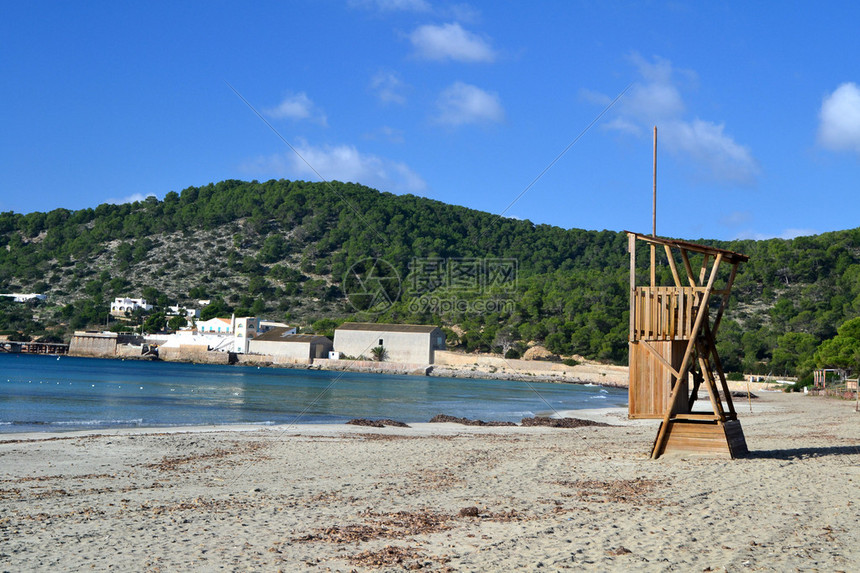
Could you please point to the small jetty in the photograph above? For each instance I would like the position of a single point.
(20, 347)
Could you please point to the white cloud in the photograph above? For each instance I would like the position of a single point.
(708, 145)
(297, 107)
(450, 42)
(393, 5)
(785, 234)
(839, 127)
(462, 103)
(388, 87)
(655, 99)
(341, 163)
(130, 199)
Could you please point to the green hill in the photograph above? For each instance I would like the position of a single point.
(315, 254)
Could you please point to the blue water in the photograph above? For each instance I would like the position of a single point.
(44, 393)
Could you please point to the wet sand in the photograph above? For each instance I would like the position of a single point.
(437, 497)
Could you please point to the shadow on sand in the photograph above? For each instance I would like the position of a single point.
(799, 453)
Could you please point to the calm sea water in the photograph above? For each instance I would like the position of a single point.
(44, 393)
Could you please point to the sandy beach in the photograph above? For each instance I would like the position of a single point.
(437, 497)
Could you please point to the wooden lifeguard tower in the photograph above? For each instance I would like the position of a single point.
(673, 352)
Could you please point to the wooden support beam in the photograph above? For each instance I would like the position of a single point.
(709, 417)
(726, 291)
(660, 358)
(691, 278)
(704, 268)
(694, 393)
(653, 266)
(718, 367)
(631, 246)
(685, 362)
(710, 383)
(673, 266)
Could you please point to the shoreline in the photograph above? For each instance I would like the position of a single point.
(585, 373)
(441, 498)
(595, 373)
(614, 416)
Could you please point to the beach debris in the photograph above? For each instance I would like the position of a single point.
(381, 525)
(406, 557)
(560, 422)
(620, 550)
(471, 511)
(377, 423)
(176, 463)
(636, 490)
(444, 418)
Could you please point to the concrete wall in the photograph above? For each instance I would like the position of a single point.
(94, 344)
(269, 360)
(129, 350)
(196, 354)
(408, 347)
(371, 366)
(291, 351)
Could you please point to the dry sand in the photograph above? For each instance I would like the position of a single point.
(344, 498)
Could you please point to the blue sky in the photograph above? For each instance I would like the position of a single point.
(757, 106)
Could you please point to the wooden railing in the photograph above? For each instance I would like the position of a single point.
(664, 313)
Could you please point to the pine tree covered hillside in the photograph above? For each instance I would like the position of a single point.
(316, 254)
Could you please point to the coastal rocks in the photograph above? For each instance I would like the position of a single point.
(423, 371)
(377, 423)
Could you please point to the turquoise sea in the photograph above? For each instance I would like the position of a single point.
(47, 393)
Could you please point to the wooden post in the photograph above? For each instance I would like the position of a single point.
(654, 200)
(654, 217)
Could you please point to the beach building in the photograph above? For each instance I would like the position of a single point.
(285, 344)
(410, 343)
(122, 305)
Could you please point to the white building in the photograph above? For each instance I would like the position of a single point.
(122, 305)
(291, 347)
(215, 326)
(409, 343)
(186, 312)
(242, 329)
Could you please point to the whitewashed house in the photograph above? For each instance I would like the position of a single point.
(241, 329)
(121, 305)
(188, 313)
